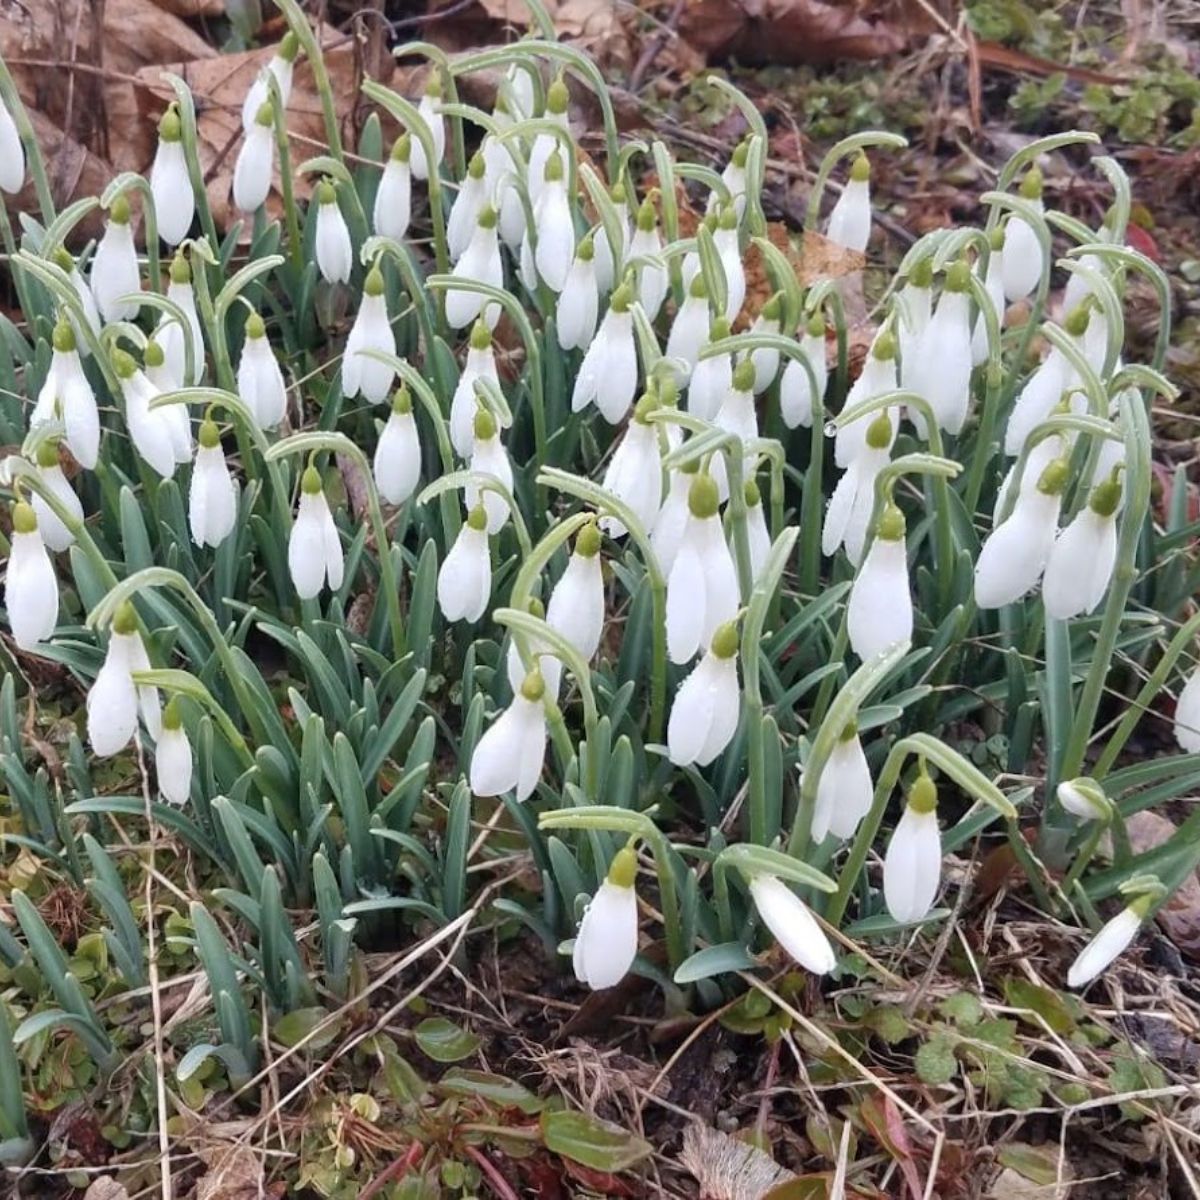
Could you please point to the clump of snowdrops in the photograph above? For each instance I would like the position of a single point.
(638, 587)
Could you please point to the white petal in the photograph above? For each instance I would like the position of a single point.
(606, 943)
(578, 304)
(880, 612)
(12, 153)
(306, 547)
(710, 383)
(671, 522)
(941, 372)
(850, 220)
(618, 372)
(576, 606)
(147, 697)
(1080, 566)
(252, 172)
(1022, 259)
(845, 788)
(489, 459)
(335, 256)
(1187, 715)
(912, 866)
(685, 587)
(115, 272)
(372, 331)
(174, 201)
(555, 237)
(31, 591)
(721, 594)
(791, 924)
(393, 201)
(465, 580)
(112, 702)
(173, 765)
(212, 503)
(692, 713)
(54, 533)
(1014, 556)
(727, 707)
(331, 546)
(1110, 943)
(398, 458)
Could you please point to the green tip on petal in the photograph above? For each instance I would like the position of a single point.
(326, 192)
(622, 871)
(487, 217)
(860, 170)
(743, 376)
(923, 795)
(24, 519)
(622, 298)
(958, 277)
(181, 271)
(477, 167)
(125, 618)
(373, 284)
(123, 363)
(265, 115)
(879, 432)
(289, 47)
(170, 128)
(1031, 185)
(118, 212)
(481, 335)
(402, 401)
(256, 327)
(485, 425)
(310, 481)
(587, 543)
(209, 436)
(171, 718)
(891, 527)
(773, 309)
(1054, 478)
(921, 276)
(47, 454)
(534, 687)
(477, 518)
(154, 354)
(402, 148)
(884, 348)
(703, 497)
(725, 640)
(64, 336)
(752, 493)
(557, 97)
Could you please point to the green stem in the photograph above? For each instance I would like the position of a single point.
(298, 23)
(291, 215)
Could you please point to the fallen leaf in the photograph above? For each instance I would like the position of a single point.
(886, 1126)
(234, 1172)
(727, 1168)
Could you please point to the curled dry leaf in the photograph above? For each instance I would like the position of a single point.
(726, 1168)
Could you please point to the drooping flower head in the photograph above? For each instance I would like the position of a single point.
(398, 454)
(372, 330)
(259, 378)
(393, 199)
(170, 183)
(335, 254)
(912, 866)
(705, 714)
(173, 757)
(115, 271)
(252, 172)
(606, 943)
(850, 220)
(212, 502)
(314, 548)
(31, 587)
(880, 611)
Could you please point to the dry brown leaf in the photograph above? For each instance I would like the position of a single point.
(234, 1172)
(726, 1168)
(822, 259)
(73, 172)
(106, 1188)
(190, 9)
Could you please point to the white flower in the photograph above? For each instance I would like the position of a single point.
(398, 454)
(212, 502)
(393, 199)
(87, 302)
(544, 144)
(489, 459)
(480, 364)
(1041, 454)
(1083, 557)
(634, 474)
(115, 269)
(672, 520)
(430, 111)
(314, 548)
(259, 379)
(473, 193)
(689, 330)
(30, 585)
(113, 702)
(844, 790)
(1187, 715)
(796, 387)
(766, 361)
(850, 220)
(702, 588)
(736, 416)
(993, 285)
(464, 583)
(880, 611)
(705, 714)
(606, 268)
(877, 377)
(941, 372)
(647, 242)
(516, 92)
(509, 755)
(607, 941)
(281, 66)
(335, 254)
(1022, 258)
(609, 371)
(174, 418)
(255, 161)
(1013, 557)
(914, 307)
(712, 376)
(170, 184)
(792, 924)
(757, 534)
(579, 300)
(480, 263)
(55, 533)
(541, 654)
(1109, 944)
(912, 866)
(372, 330)
(734, 178)
(576, 607)
(1039, 397)
(725, 242)
(170, 335)
(12, 153)
(555, 227)
(853, 501)
(1084, 798)
(173, 759)
(68, 396)
(152, 431)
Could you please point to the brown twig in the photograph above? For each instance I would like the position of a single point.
(654, 47)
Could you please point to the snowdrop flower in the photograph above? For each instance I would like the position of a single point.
(766, 362)
(725, 241)
(1023, 260)
(509, 755)
(1014, 555)
(473, 193)
(853, 501)
(12, 153)
(430, 111)
(1043, 390)
(607, 941)
(55, 533)
(314, 548)
(480, 364)
(170, 334)
(673, 517)
(608, 374)
(608, 264)
(756, 530)
(516, 90)
(1187, 715)
(372, 330)
(734, 178)
(1041, 454)
(255, 161)
(1084, 798)
(30, 586)
(880, 611)
(173, 758)
(689, 330)
(704, 716)
(634, 472)
(796, 387)
(850, 220)
(702, 589)
(335, 255)
(87, 302)
(212, 503)
(170, 184)
(914, 307)
(464, 582)
(1083, 556)
(1110, 943)
(489, 459)
(712, 376)
(554, 226)
(736, 416)
(941, 370)
(151, 430)
(66, 394)
(912, 866)
(792, 924)
(877, 377)
(541, 656)
(993, 285)
(173, 417)
(259, 379)
(281, 65)
(576, 608)
(115, 271)
(647, 242)
(480, 263)
(393, 200)
(504, 171)
(844, 789)
(558, 100)
(398, 454)
(579, 300)
(690, 267)
(113, 703)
